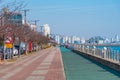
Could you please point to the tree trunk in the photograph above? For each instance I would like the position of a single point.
(19, 52)
(4, 48)
(26, 48)
(12, 51)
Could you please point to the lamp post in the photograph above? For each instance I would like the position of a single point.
(25, 15)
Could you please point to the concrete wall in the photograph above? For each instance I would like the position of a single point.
(101, 61)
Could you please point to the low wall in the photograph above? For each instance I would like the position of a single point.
(100, 60)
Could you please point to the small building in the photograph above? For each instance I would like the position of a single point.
(33, 27)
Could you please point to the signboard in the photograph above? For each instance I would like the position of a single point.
(30, 46)
(8, 45)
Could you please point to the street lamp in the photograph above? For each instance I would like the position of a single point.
(25, 14)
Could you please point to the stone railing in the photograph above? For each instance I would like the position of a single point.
(105, 54)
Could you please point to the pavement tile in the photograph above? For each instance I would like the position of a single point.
(40, 72)
(45, 64)
(35, 78)
(42, 67)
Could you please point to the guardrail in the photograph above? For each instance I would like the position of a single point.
(105, 54)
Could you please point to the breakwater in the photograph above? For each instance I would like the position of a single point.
(105, 57)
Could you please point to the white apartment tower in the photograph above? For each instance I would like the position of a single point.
(57, 39)
(116, 38)
(46, 30)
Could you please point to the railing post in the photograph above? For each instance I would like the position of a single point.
(87, 49)
(82, 48)
(117, 57)
(104, 52)
(111, 55)
(94, 48)
(79, 47)
(114, 55)
(108, 54)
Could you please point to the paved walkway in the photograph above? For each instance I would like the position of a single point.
(43, 65)
(78, 67)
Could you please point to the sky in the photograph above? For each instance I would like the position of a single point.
(83, 18)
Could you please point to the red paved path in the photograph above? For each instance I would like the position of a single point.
(43, 65)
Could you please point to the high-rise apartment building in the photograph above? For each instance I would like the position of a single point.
(46, 30)
(57, 39)
(116, 38)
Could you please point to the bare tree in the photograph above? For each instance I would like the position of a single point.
(22, 32)
(6, 11)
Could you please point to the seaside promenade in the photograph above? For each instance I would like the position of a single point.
(42, 65)
(56, 64)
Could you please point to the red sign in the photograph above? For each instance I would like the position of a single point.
(30, 46)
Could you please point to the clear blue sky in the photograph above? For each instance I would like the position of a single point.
(84, 18)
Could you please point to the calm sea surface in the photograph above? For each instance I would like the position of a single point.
(116, 48)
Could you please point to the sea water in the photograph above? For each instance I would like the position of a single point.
(116, 48)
